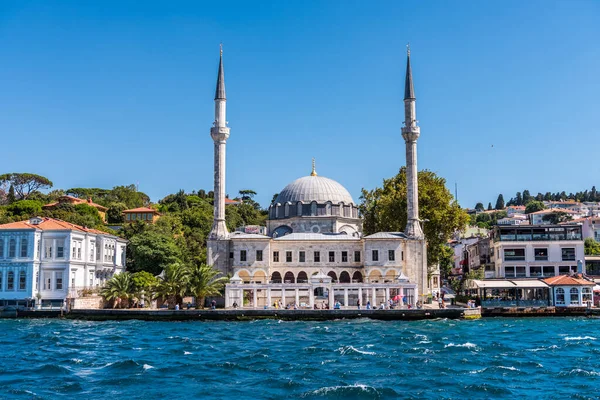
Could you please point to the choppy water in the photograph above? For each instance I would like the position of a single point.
(362, 359)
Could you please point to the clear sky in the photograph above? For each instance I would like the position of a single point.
(106, 93)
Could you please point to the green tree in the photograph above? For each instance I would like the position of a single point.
(118, 290)
(446, 261)
(205, 281)
(479, 207)
(592, 248)
(152, 251)
(173, 283)
(500, 203)
(534, 206)
(143, 285)
(557, 217)
(11, 198)
(527, 197)
(384, 209)
(24, 183)
(490, 208)
(25, 208)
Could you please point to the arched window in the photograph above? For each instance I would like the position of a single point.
(586, 294)
(342, 209)
(328, 208)
(313, 208)
(574, 295)
(289, 278)
(287, 210)
(357, 277)
(23, 247)
(22, 280)
(276, 277)
(277, 211)
(560, 296)
(12, 248)
(333, 276)
(10, 281)
(299, 208)
(1, 248)
(344, 277)
(302, 277)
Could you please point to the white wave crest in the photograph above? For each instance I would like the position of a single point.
(467, 345)
(351, 349)
(509, 368)
(579, 371)
(332, 389)
(580, 338)
(76, 360)
(187, 353)
(147, 367)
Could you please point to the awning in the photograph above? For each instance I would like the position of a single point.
(530, 283)
(500, 284)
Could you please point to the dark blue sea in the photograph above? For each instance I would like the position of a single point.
(360, 359)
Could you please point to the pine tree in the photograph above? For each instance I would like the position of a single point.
(526, 197)
(479, 207)
(490, 206)
(518, 199)
(11, 195)
(500, 202)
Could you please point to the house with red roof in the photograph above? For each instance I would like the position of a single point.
(570, 290)
(45, 261)
(145, 214)
(75, 201)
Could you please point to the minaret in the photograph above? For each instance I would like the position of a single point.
(217, 254)
(410, 133)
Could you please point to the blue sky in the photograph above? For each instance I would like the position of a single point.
(99, 94)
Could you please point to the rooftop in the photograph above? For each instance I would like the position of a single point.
(50, 224)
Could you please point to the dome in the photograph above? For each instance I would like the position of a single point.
(314, 188)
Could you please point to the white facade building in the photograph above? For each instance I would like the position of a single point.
(45, 260)
(532, 251)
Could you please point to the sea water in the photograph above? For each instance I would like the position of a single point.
(358, 359)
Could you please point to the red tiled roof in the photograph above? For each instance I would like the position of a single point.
(50, 224)
(566, 280)
(75, 200)
(556, 210)
(229, 201)
(142, 209)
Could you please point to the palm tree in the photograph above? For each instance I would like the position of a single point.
(118, 289)
(204, 281)
(172, 283)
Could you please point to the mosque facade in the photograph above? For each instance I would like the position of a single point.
(314, 253)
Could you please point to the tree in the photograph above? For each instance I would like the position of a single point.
(479, 207)
(25, 208)
(24, 183)
(446, 261)
(152, 251)
(490, 207)
(11, 198)
(173, 283)
(384, 209)
(527, 197)
(247, 194)
(118, 289)
(592, 248)
(534, 206)
(115, 213)
(205, 281)
(143, 285)
(557, 217)
(500, 203)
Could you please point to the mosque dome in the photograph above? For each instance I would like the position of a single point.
(314, 188)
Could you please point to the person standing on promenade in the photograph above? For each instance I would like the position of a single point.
(358, 304)
(213, 304)
(368, 305)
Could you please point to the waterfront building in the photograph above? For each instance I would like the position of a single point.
(46, 260)
(76, 201)
(314, 252)
(536, 250)
(145, 214)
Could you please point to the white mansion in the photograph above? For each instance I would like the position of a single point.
(314, 252)
(46, 260)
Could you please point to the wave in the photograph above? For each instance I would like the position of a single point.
(580, 372)
(351, 349)
(467, 345)
(479, 371)
(580, 338)
(147, 367)
(543, 348)
(355, 391)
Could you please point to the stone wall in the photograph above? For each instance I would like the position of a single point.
(88, 303)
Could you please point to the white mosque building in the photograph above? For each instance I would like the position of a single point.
(314, 252)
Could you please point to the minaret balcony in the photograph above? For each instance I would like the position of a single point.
(219, 133)
(411, 133)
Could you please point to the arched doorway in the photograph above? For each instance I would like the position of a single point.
(244, 276)
(259, 277)
(302, 277)
(289, 277)
(375, 277)
(390, 275)
(333, 276)
(344, 277)
(357, 277)
(276, 277)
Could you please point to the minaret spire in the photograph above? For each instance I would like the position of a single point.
(410, 133)
(218, 238)
(220, 91)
